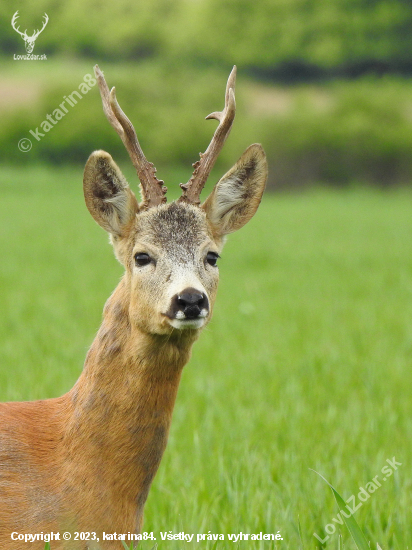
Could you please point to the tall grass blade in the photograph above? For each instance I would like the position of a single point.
(300, 533)
(350, 522)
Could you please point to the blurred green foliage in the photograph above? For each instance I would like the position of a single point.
(337, 132)
(170, 59)
(261, 35)
(344, 132)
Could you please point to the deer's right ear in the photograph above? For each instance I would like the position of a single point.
(108, 196)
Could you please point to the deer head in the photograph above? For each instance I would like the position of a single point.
(170, 251)
(29, 41)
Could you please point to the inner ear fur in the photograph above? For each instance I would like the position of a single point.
(236, 197)
(108, 196)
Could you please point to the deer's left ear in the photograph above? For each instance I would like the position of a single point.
(236, 197)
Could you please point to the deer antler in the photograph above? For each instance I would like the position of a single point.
(153, 190)
(36, 33)
(203, 167)
(13, 21)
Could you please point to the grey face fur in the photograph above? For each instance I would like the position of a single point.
(174, 287)
(177, 239)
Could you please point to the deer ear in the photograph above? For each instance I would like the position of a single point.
(236, 197)
(108, 196)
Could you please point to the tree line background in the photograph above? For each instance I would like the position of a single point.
(325, 86)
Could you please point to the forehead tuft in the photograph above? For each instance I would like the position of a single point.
(174, 222)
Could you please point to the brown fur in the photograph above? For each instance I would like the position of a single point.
(85, 461)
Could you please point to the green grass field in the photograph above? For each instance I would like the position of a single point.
(306, 363)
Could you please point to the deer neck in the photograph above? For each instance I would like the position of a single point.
(123, 402)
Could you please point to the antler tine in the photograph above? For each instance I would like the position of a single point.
(153, 190)
(46, 20)
(13, 22)
(203, 167)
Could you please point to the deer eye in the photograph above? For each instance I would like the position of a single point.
(141, 259)
(211, 258)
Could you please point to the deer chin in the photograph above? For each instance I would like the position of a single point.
(168, 325)
(182, 324)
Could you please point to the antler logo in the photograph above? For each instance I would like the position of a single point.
(28, 40)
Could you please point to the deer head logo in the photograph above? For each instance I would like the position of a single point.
(29, 41)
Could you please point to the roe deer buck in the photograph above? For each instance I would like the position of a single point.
(85, 461)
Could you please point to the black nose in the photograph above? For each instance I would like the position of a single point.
(191, 302)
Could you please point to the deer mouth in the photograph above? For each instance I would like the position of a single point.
(192, 313)
(188, 319)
